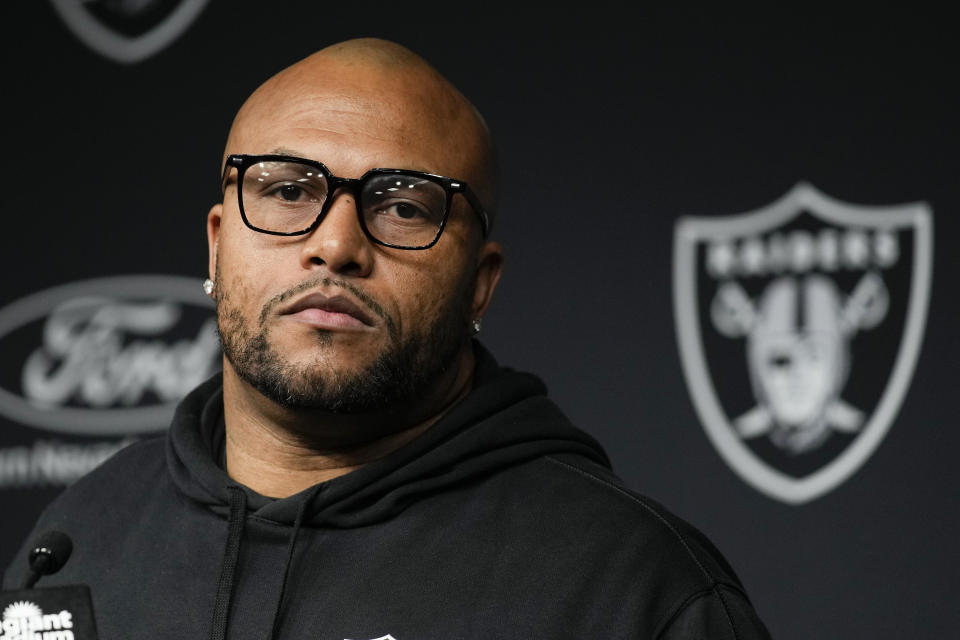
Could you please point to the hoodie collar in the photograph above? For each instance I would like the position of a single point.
(504, 420)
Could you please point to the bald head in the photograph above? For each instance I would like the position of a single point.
(366, 91)
(373, 51)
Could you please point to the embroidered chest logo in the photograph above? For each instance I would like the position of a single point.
(799, 326)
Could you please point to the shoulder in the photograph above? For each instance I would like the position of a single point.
(598, 495)
(125, 472)
(721, 612)
(102, 500)
(662, 565)
(121, 480)
(593, 484)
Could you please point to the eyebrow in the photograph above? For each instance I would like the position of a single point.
(283, 151)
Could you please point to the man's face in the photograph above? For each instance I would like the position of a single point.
(331, 320)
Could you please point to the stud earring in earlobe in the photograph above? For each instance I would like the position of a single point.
(475, 325)
(208, 286)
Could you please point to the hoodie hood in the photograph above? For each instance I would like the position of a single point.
(506, 419)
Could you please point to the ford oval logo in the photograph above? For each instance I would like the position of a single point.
(109, 356)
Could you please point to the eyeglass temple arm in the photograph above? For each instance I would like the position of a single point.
(231, 161)
(475, 204)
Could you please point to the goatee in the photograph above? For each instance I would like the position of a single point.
(403, 371)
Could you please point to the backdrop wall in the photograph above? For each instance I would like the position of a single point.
(730, 248)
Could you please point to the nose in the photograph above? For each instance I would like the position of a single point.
(338, 242)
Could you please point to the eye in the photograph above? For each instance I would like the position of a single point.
(290, 192)
(399, 208)
(405, 210)
(402, 211)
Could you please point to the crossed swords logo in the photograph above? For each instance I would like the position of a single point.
(798, 352)
(799, 327)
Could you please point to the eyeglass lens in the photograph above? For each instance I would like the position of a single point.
(397, 208)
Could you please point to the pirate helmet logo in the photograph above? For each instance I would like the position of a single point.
(775, 303)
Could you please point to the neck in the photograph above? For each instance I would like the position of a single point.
(278, 452)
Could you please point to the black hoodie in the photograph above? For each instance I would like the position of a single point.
(500, 521)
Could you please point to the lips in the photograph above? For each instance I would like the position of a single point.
(330, 311)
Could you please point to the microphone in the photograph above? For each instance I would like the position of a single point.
(50, 552)
(61, 612)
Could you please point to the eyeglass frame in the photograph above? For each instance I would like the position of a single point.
(451, 186)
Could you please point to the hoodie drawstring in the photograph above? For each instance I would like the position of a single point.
(231, 555)
(297, 524)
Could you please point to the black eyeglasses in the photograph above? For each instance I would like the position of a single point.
(398, 208)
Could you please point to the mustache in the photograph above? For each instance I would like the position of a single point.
(325, 281)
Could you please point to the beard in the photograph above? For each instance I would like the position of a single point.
(403, 371)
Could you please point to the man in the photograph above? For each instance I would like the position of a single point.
(363, 468)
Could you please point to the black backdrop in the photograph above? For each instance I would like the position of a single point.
(612, 127)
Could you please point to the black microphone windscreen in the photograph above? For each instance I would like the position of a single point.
(55, 547)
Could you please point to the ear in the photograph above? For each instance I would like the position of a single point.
(213, 237)
(489, 268)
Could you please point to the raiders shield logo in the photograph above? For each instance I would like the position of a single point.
(799, 326)
(128, 31)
